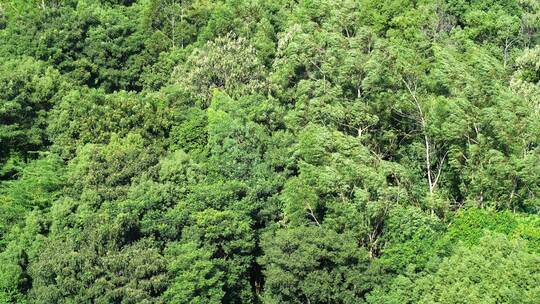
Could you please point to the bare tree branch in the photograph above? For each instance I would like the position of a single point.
(312, 214)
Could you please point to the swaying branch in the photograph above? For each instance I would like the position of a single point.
(312, 214)
(426, 138)
(439, 169)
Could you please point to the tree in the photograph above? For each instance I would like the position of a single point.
(28, 89)
(91, 116)
(488, 273)
(40, 183)
(196, 278)
(177, 20)
(314, 265)
(252, 151)
(213, 66)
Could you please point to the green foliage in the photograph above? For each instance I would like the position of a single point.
(226, 236)
(39, 185)
(251, 151)
(314, 265)
(196, 277)
(90, 116)
(133, 274)
(214, 66)
(23, 243)
(177, 21)
(27, 92)
(489, 272)
(469, 226)
(410, 240)
(2, 17)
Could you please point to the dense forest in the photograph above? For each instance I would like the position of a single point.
(284, 151)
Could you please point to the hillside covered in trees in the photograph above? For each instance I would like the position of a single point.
(265, 152)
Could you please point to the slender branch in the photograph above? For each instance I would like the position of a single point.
(423, 126)
(439, 169)
(313, 214)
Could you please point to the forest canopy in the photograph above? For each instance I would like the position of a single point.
(285, 151)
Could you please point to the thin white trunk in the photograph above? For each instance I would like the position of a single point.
(312, 214)
(427, 146)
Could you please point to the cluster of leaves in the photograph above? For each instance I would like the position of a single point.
(251, 151)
